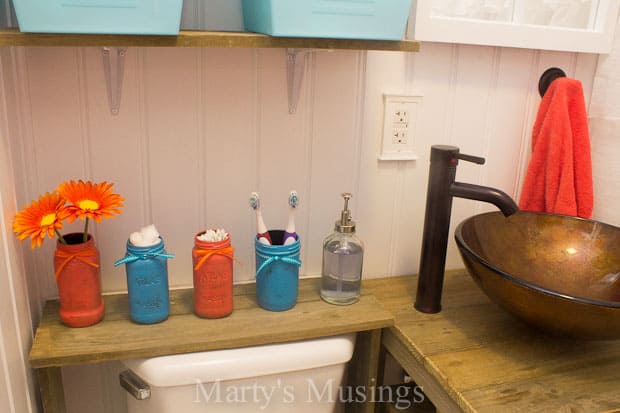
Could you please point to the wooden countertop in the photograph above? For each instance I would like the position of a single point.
(117, 338)
(487, 361)
(471, 357)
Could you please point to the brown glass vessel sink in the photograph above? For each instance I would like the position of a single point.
(560, 274)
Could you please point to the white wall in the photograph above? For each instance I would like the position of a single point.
(199, 129)
(17, 394)
(605, 132)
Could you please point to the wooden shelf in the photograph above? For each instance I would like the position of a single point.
(200, 39)
(117, 338)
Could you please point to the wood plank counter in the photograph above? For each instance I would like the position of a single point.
(117, 338)
(471, 357)
(475, 357)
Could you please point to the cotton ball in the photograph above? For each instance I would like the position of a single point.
(150, 232)
(136, 239)
(150, 235)
(146, 237)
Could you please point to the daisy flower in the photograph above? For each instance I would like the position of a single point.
(88, 200)
(41, 217)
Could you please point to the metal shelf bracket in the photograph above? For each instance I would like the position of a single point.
(114, 79)
(295, 69)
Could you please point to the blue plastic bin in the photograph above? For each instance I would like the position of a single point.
(99, 16)
(344, 19)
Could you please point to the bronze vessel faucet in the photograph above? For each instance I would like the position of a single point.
(441, 189)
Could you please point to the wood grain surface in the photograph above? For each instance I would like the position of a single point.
(484, 360)
(118, 338)
(189, 38)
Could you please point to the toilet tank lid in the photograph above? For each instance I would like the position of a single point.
(241, 363)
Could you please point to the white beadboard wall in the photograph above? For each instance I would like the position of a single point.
(17, 391)
(605, 129)
(217, 15)
(199, 129)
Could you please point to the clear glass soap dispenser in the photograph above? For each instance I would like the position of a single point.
(343, 255)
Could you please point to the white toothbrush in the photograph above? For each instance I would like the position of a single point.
(290, 236)
(261, 229)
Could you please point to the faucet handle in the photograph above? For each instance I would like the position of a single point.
(470, 158)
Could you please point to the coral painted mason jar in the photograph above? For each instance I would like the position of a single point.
(213, 277)
(79, 281)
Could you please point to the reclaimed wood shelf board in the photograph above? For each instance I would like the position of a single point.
(190, 38)
(475, 357)
(118, 338)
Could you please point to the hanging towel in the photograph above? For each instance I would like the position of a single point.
(559, 175)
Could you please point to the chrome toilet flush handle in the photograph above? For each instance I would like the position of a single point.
(135, 385)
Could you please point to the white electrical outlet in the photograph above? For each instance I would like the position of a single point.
(399, 122)
(399, 136)
(401, 115)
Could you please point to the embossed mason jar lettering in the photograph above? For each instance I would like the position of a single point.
(213, 277)
(147, 282)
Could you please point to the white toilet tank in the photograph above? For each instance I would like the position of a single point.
(300, 377)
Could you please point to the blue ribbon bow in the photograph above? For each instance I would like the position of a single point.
(286, 259)
(132, 257)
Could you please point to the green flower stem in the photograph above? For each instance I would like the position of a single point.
(85, 231)
(60, 237)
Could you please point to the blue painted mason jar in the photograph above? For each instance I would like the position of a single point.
(147, 282)
(277, 273)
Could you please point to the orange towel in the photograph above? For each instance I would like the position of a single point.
(559, 176)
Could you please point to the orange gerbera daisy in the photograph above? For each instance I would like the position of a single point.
(41, 217)
(90, 200)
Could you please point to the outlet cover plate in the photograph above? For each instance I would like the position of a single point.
(400, 118)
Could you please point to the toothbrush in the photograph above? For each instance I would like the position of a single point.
(290, 236)
(261, 229)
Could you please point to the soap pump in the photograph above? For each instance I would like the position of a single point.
(343, 255)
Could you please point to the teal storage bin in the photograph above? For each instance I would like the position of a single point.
(99, 16)
(344, 19)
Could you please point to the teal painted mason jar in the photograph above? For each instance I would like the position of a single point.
(277, 273)
(147, 282)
